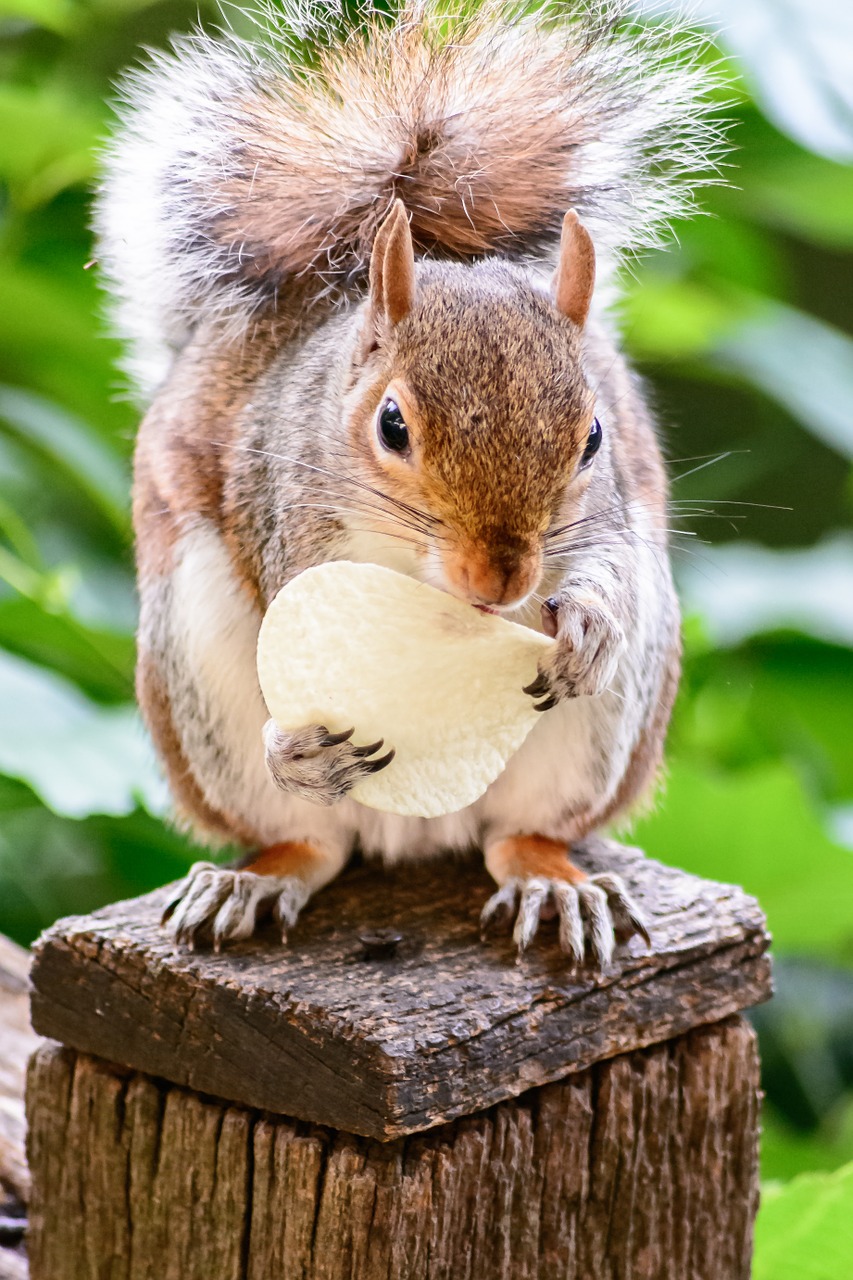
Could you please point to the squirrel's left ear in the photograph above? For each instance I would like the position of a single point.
(392, 267)
(575, 275)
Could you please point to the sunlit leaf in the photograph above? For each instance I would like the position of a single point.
(741, 589)
(805, 1228)
(79, 451)
(55, 15)
(675, 318)
(781, 696)
(80, 758)
(47, 139)
(804, 194)
(786, 1151)
(797, 62)
(99, 661)
(804, 364)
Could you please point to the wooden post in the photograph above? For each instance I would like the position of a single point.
(17, 1042)
(317, 1112)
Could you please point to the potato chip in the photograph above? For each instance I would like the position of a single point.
(358, 645)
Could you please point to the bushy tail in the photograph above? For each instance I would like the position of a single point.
(236, 171)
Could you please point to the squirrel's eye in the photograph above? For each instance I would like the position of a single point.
(593, 444)
(393, 431)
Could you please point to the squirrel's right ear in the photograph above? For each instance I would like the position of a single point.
(575, 275)
(392, 271)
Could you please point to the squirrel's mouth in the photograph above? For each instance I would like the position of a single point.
(485, 608)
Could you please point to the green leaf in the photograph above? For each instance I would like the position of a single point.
(98, 661)
(55, 15)
(804, 1229)
(47, 139)
(51, 866)
(742, 589)
(74, 448)
(786, 1151)
(785, 697)
(806, 195)
(796, 61)
(675, 318)
(757, 828)
(80, 758)
(802, 363)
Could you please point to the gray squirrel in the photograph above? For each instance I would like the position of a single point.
(358, 297)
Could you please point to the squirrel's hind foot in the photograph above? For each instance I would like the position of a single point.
(215, 905)
(538, 882)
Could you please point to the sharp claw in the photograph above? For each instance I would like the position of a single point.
(546, 705)
(538, 686)
(593, 902)
(571, 924)
(334, 739)
(376, 765)
(529, 911)
(500, 907)
(172, 905)
(368, 751)
(628, 919)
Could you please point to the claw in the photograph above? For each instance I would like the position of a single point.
(376, 765)
(628, 919)
(181, 889)
(537, 687)
(571, 922)
(368, 751)
(500, 907)
(546, 705)
(334, 739)
(529, 912)
(594, 909)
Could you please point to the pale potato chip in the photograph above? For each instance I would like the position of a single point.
(357, 645)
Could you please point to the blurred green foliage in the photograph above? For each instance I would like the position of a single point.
(740, 330)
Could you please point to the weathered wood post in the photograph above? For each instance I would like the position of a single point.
(324, 1111)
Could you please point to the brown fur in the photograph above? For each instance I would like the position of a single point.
(190, 801)
(290, 858)
(523, 856)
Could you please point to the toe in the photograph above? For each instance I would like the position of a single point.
(500, 908)
(571, 923)
(292, 896)
(182, 888)
(599, 923)
(238, 914)
(533, 897)
(628, 919)
(203, 896)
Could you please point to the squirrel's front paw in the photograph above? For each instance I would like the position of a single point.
(216, 905)
(319, 765)
(583, 661)
(593, 915)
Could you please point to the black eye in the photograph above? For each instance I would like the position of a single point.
(393, 431)
(593, 444)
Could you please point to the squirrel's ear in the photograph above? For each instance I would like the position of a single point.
(575, 276)
(392, 267)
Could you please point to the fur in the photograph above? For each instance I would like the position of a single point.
(241, 201)
(237, 176)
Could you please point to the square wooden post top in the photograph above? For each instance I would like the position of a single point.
(384, 1046)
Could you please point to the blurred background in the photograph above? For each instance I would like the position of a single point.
(743, 331)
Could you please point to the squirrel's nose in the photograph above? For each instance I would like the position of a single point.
(478, 575)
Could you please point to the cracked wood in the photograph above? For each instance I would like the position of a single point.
(643, 1167)
(384, 1047)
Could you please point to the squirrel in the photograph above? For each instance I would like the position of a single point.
(359, 296)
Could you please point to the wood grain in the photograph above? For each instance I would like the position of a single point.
(448, 1026)
(643, 1167)
(17, 1042)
